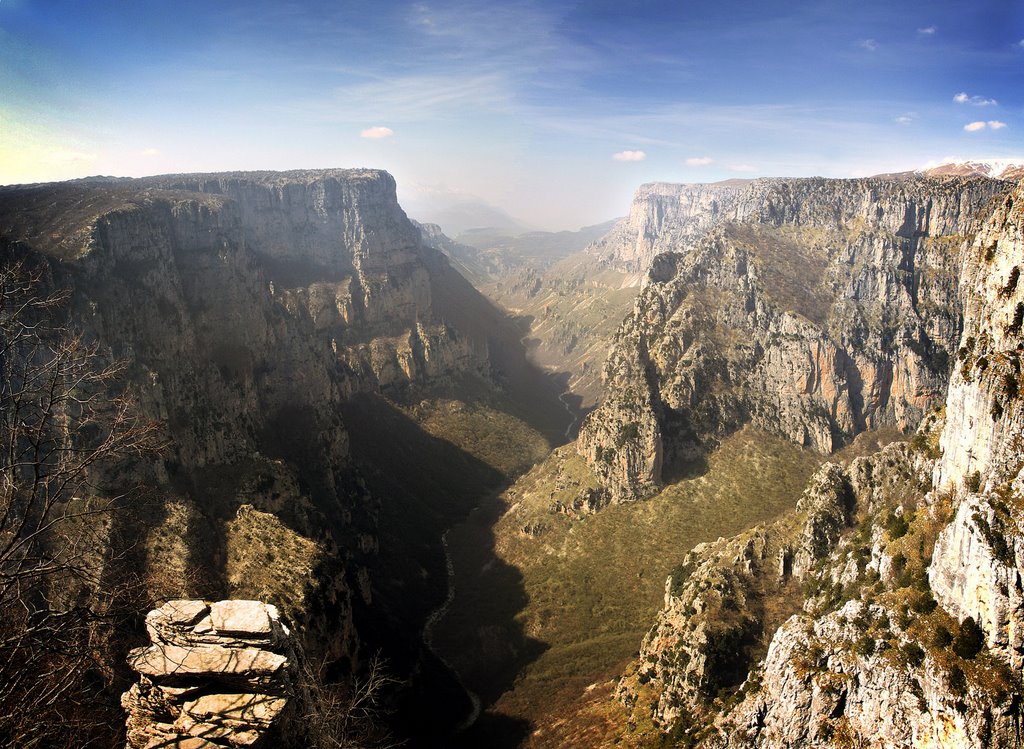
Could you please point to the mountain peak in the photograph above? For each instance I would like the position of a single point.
(1010, 169)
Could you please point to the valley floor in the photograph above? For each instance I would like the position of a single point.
(551, 603)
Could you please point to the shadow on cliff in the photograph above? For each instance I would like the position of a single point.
(424, 486)
(527, 391)
(481, 635)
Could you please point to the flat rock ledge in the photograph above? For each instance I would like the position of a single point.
(215, 675)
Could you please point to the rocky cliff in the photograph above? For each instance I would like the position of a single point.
(255, 311)
(664, 216)
(905, 629)
(812, 308)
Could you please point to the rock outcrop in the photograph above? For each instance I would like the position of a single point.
(911, 612)
(979, 559)
(819, 309)
(215, 675)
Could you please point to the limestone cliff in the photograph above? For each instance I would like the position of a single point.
(664, 216)
(979, 558)
(906, 629)
(814, 309)
(252, 310)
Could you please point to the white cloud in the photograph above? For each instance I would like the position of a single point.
(149, 152)
(973, 127)
(378, 131)
(629, 156)
(905, 119)
(979, 101)
(742, 168)
(699, 161)
(869, 44)
(928, 30)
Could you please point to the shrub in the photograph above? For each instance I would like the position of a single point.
(957, 682)
(969, 639)
(896, 526)
(923, 604)
(865, 646)
(913, 654)
(628, 433)
(942, 637)
(972, 482)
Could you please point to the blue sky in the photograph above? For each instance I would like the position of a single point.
(554, 111)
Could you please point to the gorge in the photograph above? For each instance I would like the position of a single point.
(791, 514)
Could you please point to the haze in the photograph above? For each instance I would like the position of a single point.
(552, 111)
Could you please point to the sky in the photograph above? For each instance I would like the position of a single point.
(552, 111)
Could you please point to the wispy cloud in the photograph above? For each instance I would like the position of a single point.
(378, 131)
(973, 127)
(411, 98)
(149, 152)
(629, 156)
(979, 101)
(927, 30)
(869, 44)
(699, 161)
(905, 119)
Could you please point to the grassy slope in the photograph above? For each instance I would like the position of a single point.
(565, 606)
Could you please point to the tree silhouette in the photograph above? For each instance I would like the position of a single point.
(66, 424)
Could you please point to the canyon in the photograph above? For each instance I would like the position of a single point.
(791, 512)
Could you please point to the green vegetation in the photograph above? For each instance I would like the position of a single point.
(969, 639)
(589, 586)
(505, 443)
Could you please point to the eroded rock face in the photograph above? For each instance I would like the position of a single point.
(215, 675)
(978, 562)
(251, 308)
(822, 687)
(985, 413)
(818, 309)
(911, 632)
(663, 216)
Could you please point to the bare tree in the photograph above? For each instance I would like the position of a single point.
(65, 425)
(344, 714)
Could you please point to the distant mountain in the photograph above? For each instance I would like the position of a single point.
(456, 212)
(1010, 169)
(538, 245)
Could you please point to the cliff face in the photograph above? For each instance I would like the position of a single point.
(979, 558)
(252, 309)
(905, 627)
(663, 216)
(819, 309)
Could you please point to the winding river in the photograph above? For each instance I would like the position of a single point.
(428, 638)
(441, 611)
